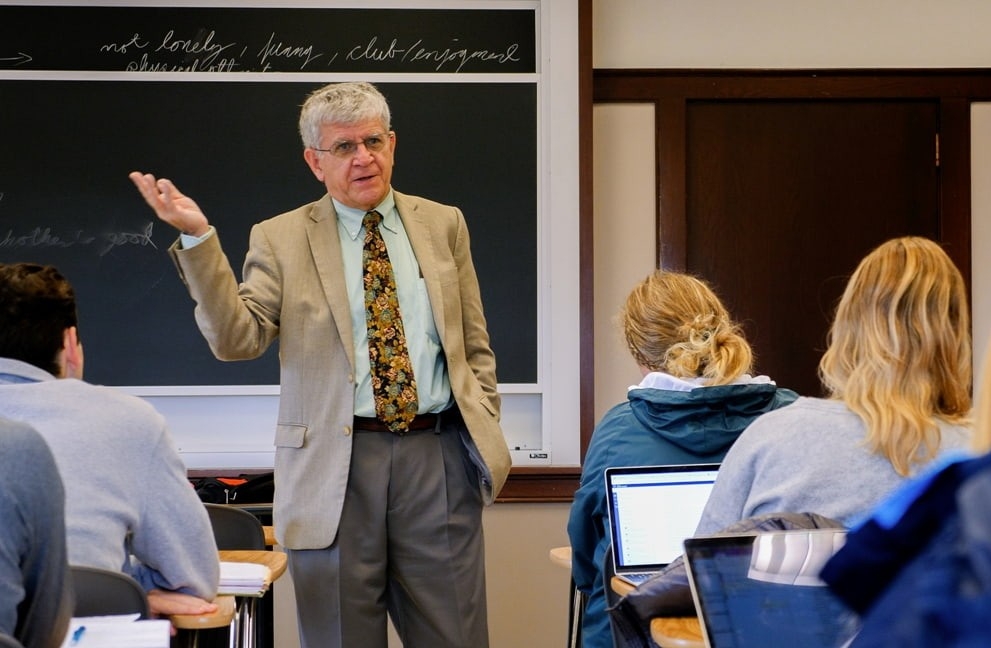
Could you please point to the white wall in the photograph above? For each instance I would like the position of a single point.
(791, 33)
(625, 245)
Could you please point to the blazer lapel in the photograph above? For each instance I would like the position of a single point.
(325, 246)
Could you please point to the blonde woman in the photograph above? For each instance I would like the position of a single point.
(898, 375)
(695, 397)
(917, 569)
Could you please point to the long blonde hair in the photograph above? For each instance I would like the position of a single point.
(674, 323)
(899, 349)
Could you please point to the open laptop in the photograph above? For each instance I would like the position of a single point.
(762, 589)
(652, 509)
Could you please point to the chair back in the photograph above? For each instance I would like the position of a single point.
(6, 641)
(235, 529)
(101, 592)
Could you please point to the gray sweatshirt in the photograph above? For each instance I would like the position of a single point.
(129, 506)
(808, 457)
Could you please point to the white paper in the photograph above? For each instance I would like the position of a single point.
(125, 631)
(244, 578)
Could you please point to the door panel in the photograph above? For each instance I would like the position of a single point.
(783, 199)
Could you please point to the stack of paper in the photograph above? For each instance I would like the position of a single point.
(123, 631)
(244, 578)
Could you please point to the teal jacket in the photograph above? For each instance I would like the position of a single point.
(653, 427)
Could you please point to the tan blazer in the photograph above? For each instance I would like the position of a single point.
(293, 290)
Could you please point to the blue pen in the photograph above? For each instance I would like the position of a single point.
(77, 635)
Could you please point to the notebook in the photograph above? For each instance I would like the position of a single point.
(652, 509)
(763, 590)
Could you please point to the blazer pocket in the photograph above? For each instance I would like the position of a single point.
(290, 435)
(487, 405)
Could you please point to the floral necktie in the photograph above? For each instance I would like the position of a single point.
(393, 386)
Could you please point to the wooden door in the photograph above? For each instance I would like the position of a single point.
(783, 199)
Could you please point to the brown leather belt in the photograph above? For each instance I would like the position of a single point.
(420, 422)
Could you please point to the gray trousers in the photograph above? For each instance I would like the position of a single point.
(410, 545)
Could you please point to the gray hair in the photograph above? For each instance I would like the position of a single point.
(341, 103)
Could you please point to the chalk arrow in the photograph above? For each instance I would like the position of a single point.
(14, 61)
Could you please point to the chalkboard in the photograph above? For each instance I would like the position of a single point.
(76, 117)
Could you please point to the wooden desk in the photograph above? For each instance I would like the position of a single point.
(676, 632)
(270, 540)
(243, 631)
(219, 619)
(667, 632)
(561, 556)
(620, 586)
(275, 560)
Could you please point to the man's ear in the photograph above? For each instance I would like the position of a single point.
(313, 161)
(71, 360)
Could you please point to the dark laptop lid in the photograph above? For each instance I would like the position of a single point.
(763, 590)
(652, 509)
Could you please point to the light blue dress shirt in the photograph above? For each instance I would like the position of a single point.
(433, 387)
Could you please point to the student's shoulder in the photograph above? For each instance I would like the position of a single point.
(112, 401)
(806, 406)
(803, 414)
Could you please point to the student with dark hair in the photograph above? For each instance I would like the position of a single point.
(129, 506)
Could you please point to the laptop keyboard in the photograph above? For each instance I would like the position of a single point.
(636, 577)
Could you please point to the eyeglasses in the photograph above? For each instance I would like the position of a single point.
(346, 149)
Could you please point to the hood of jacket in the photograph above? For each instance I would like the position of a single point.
(705, 420)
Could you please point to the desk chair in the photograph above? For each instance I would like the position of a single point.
(612, 596)
(576, 599)
(236, 529)
(102, 592)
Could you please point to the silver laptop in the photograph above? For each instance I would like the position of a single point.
(763, 589)
(652, 509)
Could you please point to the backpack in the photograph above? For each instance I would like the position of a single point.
(246, 489)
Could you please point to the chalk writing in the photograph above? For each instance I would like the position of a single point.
(145, 64)
(44, 237)
(115, 239)
(273, 49)
(209, 52)
(121, 48)
(202, 53)
(196, 45)
(413, 52)
(19, 59)
(47, 237)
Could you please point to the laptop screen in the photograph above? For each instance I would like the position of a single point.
(763, 590)
(652, 509)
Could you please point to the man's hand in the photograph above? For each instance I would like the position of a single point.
(164, 603)
(170, 204)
